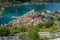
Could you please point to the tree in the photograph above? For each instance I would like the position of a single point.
(33, 33)
(14, 31)
(32, 1)
(49, 23)
(40, 25)
(58, 18)
(4, 31)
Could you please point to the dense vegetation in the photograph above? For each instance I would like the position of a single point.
(32, 30)
(41, 27)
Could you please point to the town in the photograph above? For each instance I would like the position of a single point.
(29, 19)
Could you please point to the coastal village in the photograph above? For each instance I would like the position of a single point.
(34, 17)
(29, 19)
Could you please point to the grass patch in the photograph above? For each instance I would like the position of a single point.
(51, 29)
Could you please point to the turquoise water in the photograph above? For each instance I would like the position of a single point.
(23, 9)
(13, 11)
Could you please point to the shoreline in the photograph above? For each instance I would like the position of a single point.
(29, 4)
(19, 18)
